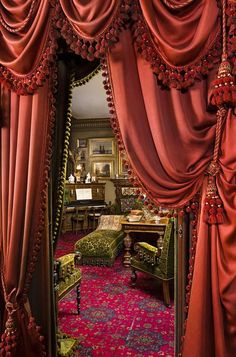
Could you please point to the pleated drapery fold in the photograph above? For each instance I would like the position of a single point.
(158, 60)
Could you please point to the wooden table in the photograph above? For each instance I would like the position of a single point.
(141, 226)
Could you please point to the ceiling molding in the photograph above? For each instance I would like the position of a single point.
(90, 123)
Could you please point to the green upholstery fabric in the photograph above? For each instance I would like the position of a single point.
(66, 346)
(100, 247)
(164, 266)
(67, 275)
(147, 253)
(67, 265)
(69, 282)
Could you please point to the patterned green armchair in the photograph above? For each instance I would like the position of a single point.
(156, 261)
(67, 277)
(102, 246)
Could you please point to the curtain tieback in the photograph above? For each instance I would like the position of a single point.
(9, 338)
(213, 207)
(223, 89)
(13, 331)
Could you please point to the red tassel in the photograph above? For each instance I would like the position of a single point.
(9, 339)
(219, 218)
(212, 219)
(223, 89)
(213, 207)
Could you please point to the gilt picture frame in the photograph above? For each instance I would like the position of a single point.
(122, 169)
(102, 147)
(103, 169)
(81, 143)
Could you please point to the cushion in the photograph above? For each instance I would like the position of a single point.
(146, 252)
(110, 222)
(100, 247)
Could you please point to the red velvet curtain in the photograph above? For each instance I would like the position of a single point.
(211, 327)
(154, 122)
(168, 135)
(26, 26)
(89, 18)
(181, 35)
(24, 164)
(27, 45)
(169, 138)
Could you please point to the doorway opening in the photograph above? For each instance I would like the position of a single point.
(92, 140)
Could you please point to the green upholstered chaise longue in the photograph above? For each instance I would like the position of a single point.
(102, 246)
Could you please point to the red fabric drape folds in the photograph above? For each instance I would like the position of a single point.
(27, 43)
(24, 146)
(89, 19)
(211, 328)
(181, 35)
(17, 45)
(168, 135)
(178, 42)
(89, 28)
(154, 122)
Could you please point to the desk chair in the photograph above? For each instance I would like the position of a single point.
(94, 215)
(79, 220)
(156, 261)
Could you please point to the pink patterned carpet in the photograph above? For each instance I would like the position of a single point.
(116, 320)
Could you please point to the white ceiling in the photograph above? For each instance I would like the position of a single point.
(89, 100)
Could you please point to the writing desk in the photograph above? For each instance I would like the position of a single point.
(135, 227)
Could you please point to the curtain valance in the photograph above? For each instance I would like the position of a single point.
(180, 44)
(168, 135)
(90, 29)
(90, 19)
(27, 43)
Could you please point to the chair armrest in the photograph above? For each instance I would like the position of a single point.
(78, 256)
(147, 252)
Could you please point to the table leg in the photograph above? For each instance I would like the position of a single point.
(127, 255)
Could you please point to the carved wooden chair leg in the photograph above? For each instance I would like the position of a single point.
(166, 292)
(133, 277)
(78, 297)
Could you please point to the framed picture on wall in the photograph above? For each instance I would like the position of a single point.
(81, 143)
(103, 169)
(123, 171)
(102, 146)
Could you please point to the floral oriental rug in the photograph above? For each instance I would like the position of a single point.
(115, 319)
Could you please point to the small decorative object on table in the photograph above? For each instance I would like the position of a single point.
(71, 179)
(135, 215)
(134, 218)
(148, 215)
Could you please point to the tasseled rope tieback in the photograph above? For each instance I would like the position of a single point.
(213, 209)
(9, 338)
(222, 95)
(223, 89)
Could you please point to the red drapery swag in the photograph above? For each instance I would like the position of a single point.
(159, 58)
